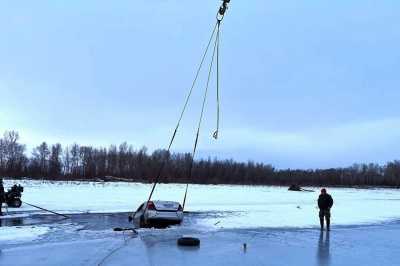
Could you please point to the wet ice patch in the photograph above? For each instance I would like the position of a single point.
(14, 215)
(22, 233)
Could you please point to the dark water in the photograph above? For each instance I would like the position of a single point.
(86, 221)
(90, 221)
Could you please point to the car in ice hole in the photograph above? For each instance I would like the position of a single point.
(158, 214)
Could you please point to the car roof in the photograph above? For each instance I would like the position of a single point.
(164, 201)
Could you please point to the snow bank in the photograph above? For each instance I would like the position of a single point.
(229, 206)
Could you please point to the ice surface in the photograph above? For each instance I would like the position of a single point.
(223, 206)
(277, 226)
(22, 233)
(361, 245)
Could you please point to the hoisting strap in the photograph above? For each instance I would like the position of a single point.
(220, 15)
(183, 111)
(215, 135)
(202, 112)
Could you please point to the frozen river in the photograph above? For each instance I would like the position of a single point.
(232, 206)
(278, 226)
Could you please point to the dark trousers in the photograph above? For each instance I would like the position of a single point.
(2, 200)
(327, 215)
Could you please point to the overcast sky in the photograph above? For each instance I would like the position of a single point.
(303, 83)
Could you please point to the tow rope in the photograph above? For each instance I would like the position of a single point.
(215, 36)
(43, 209)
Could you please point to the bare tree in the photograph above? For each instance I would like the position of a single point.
(86, 162)
(55, 164)
(66, 161)
(12, 153)
(43, 153)
(75, 160)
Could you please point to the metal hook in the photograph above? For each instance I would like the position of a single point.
(219, 17)
(215, 135)
(222, 10)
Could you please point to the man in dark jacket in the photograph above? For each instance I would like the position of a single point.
(2, 195)
(325, 203)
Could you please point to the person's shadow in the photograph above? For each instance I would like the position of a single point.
(323, 255)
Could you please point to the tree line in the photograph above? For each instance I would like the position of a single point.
(82, 162)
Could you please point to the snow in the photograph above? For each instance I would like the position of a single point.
(224, 206)
(22, 233)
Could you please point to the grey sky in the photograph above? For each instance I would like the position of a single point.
(303, 83)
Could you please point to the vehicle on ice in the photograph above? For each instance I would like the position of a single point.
(13, 196)
(158, 214)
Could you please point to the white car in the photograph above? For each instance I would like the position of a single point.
(158, 214)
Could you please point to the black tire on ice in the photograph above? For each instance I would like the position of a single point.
(15, 203)
(189, 241)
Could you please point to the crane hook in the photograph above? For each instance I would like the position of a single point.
(222, 9)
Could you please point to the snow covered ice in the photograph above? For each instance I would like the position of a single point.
(278, 226)
(236, 206)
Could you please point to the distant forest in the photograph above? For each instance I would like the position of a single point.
(77, 162)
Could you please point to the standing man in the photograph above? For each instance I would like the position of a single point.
(325, 203)
(2, 195)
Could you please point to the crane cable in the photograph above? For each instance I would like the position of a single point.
(215, 135)
(215, 32)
